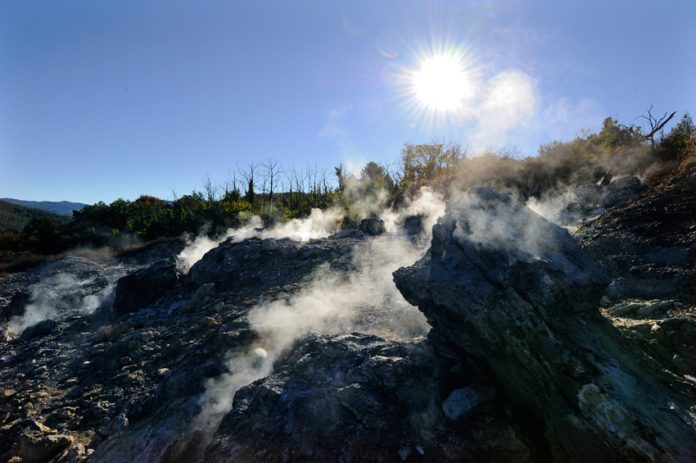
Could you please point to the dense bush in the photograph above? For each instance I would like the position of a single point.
(681, 140)
(43, 235)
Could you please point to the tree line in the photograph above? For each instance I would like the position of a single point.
(276, 193)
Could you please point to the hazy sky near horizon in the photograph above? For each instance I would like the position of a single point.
(100, 100)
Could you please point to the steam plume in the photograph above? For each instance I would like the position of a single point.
(319, 224)
(364, 300)
(60, 295)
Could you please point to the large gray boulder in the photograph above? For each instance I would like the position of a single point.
(505, 286)
(18, 302)
(39, 330)
(142, 288)
(372, 226)
(358, 397)
(255, 265)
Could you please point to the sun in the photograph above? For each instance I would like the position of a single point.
(441, 82)
(438, 84)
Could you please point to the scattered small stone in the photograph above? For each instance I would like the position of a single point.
(36, 449)
(460, 402)
(404, 453)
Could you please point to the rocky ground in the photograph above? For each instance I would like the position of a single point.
(648, 248)
(517, 294)
(544, 346)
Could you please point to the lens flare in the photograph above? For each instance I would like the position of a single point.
(439, 86)
(441, 83)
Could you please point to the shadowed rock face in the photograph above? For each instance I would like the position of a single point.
(256, 265)
(503, 285)
(15, 308)
(373, 226)
(358, 397)
(145, 286)
(648, 246)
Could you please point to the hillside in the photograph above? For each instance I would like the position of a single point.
(65, 208)
(13, 217)
(270, 348)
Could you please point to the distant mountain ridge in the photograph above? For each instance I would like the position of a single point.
(14, 217)
(65, 208)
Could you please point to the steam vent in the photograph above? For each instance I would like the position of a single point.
(504, 287)
(425, 231)
(472, 331)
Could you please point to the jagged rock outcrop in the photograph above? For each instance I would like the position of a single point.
(573, 204)
(372, 226)
(142, 288)
(362, 398)
(257, 264)
(413, 225)
(66, 287)
(18, 302)
(69, 380)
(648, 246)
(519, 365)
(505, 286)
(39, 330)
(126, 387)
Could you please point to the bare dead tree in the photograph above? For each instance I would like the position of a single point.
(300, 179)
(264, 183)
(231, 182)
(656, 123)
(210, 189)
(307, 180)
(272, 172)
(315, 181)
(340, 172)
(289, 187)
(324, 184)
(248, 176)
(281, 187)
(312, 181)
(394, 170)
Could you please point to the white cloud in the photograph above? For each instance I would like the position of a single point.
(509, 102)
(554, 119)
(505, 110)
(511, 113)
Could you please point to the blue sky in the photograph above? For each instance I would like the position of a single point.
(100, 100)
